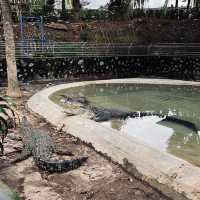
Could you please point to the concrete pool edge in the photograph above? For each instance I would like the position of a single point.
(171, 175)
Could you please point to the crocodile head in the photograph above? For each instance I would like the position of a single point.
(75, 101)
(24, 121)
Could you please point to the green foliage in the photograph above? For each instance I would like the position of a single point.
(16, 196)
(48, 8)
(42, 8)
(64, 15)
(7, 119)
(119, 8)
(122, 8)
(91, 14)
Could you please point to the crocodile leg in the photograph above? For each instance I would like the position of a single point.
(13, 152)
(23, 156)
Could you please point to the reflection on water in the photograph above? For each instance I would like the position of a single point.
(182, 101)
(145, 129)
(165, 136)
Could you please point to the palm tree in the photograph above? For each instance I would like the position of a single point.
(188, 5)
(63, 6)
(76, 8)
(176, 4)
(138, 3)
(13, 89)
(195, 4)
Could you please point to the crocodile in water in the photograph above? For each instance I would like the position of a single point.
(100, 114)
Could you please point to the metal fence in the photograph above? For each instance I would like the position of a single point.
(50, 49)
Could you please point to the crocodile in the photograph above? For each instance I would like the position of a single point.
(75, 100)
(100, 114)
(40, 145)
(105, 114)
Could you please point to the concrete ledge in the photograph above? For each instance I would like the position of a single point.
(174, 177)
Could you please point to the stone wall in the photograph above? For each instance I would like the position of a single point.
(186, 68)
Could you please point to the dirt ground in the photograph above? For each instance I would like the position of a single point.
(97, 179)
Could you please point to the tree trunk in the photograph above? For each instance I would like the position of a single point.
(176, 5)
(76, 8)
(13, 85)
(188, 5)
(63, 6)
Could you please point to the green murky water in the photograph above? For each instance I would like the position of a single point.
(182, 101)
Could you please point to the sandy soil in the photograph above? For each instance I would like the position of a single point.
(97, 179)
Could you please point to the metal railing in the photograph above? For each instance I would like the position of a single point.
(50, 49)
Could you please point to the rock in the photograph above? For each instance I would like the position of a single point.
(80, 62)
(31, 64)
(23, 63)
(101, 63)
(58, 26)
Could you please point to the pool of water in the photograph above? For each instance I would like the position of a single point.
(182, 101)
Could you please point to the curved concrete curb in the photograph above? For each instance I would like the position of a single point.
(175, 177)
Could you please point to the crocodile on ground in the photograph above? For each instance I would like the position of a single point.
(41, 146)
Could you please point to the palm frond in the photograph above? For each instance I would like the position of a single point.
(7, 119)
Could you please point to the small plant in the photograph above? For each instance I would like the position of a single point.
(7, 119)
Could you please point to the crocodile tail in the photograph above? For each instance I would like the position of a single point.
(60, 166)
